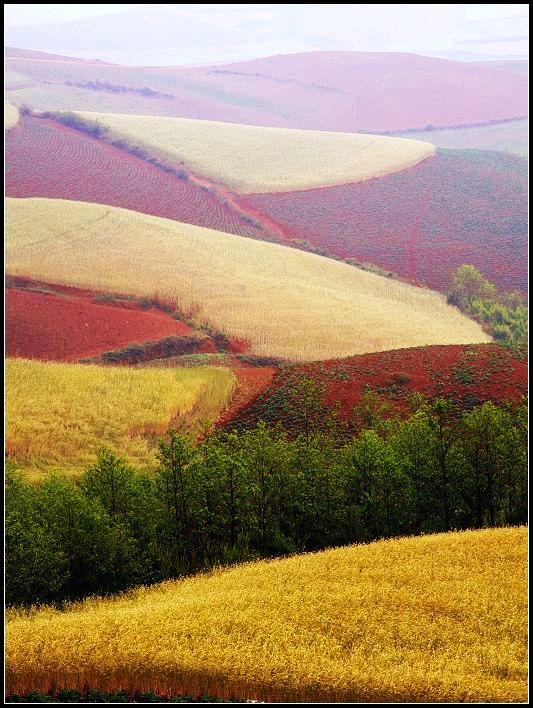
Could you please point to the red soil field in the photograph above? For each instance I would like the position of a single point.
(69, 327)
(45, 159)
(422, 223)
(387, 91)
(250, 382)
(339, 91)
(467, 374)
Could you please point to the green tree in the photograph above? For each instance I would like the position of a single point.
(173, 482)
(305, 404)
(468, 285)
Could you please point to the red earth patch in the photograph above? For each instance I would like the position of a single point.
(46, 159)
(67, 328)
(250, 382)
(467, 374)
(459, 207)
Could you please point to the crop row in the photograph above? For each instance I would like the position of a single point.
(47, 160)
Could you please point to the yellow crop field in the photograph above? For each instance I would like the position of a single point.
(439, 618)
(11, 115)
(285, 302)
(257, 159)
(58, 414)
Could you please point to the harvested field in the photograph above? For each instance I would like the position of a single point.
(42, 325)
(255, 159)
(11, 115)
(438, 618)
(46, 159)
(457, 207)
(468, 375)
(282, 301)
(510, 136)
(59, 414)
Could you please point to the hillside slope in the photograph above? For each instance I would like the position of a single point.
(255, 159)
(460, 206)
(47, 159)
(468, 375)
(284, 302)
(439, 618)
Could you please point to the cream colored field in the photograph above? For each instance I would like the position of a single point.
(285, 302)
(11, 115)
(254, 159)
(439, 618)
(58, 414)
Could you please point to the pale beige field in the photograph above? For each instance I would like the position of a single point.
(11, 115)
(59, 414)
(439, 618)
(255, 159)
(285, 302)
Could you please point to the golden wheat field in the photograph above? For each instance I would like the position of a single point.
(58, 414)
(11, 115)
(256, 159)
(285, 302)
(439, 618)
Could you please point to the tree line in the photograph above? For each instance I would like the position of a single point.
(238, 496)
(504, 315)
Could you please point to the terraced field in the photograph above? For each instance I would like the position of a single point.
(437, 618)
(283, 302)
(423, 223)
(59, 414)
(253, 159)
(46, 159)
(467, 374)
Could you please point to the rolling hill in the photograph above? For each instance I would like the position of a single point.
(422, 619)
(47, 159)
(333, 91)
(284, 302)
(466, 374)
(59, 414)
(423, 223)
(255, 159)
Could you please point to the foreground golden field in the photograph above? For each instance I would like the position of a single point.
(255, 159)
(11, 115)
(283, 301)
(58, 414)
(438, 618)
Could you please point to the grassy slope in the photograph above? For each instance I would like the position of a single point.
(11, 115)
(58, 414)
(256, 159)
(433, 618)
(285, 302)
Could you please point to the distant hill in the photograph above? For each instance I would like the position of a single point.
(324, 90)
(517, 66)
(143, 28)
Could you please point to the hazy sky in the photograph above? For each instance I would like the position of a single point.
(433, 29)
